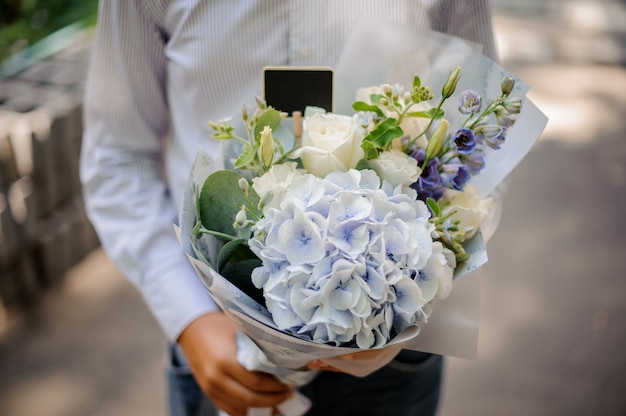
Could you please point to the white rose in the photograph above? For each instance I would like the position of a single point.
(330, 142)
(272, 185)
(411, 126)
(396, 167)
(471, 210)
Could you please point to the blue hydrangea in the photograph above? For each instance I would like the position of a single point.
(339, 259)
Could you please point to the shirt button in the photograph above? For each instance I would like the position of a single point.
(304, 51)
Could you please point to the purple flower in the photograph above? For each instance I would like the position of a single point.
(464, 141)
(419, 155)
(469, 102)
(430, 174)
(454, 174)
(474, 162)
(428, 185)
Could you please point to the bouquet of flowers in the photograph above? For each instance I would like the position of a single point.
(342, 240)
(350, 237)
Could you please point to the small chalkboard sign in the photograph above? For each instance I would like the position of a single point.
(292, 89)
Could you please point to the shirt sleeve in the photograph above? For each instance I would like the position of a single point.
(126, 120)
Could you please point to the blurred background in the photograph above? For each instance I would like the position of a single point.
(75, 338)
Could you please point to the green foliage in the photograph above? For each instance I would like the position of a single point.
(24, 22)
(248, 153)
(434, 113)
(238, 273)
(220, 201)
(271, 118)
(364, 164)
(434, 207)
(363, 106)
(384, 133)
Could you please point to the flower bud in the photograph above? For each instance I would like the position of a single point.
(406, 98)
(267, 148)
(450, 85)
(265, 199)
(243, 185)
(513, 105)
(435, 143)
(260, 102)
(504, 118)
(241, 219)
(507, 84)
(244, 112)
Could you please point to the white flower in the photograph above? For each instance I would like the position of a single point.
(330, 142)
(396, 167)
(469, 208)
(272, 185)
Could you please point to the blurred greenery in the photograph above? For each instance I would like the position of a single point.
(24, 22)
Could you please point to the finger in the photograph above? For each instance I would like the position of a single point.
(240, 397)
(361, 355)
(321, 365)
(257, 381)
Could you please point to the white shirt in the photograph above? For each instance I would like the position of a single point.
(160, 70)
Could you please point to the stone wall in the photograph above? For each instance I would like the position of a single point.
(43, 227)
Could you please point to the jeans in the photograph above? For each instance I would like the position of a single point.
(409, 385)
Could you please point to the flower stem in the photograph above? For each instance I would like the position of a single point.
(430, 123)
(228, 237)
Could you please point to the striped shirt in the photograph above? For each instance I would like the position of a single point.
(161, 69)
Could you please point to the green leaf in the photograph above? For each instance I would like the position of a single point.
(421, 114)
(363, 106)
(375, 98)
(227, 252)
(270, 118)
(417, 82)
(384, 133)
(221, 199)
(436, 114)
(461, 257)
(364, 164)
(434, 207)
(236, 262)
(245, 158)
(239, 275)
(371, 152)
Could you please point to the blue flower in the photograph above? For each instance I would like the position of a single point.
(454, 174)
(474, 162)
(419, 154)
(430, 175)
(464, 141)
(429, 185)
(469, 102)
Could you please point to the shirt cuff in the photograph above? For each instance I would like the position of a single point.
(178, 298)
